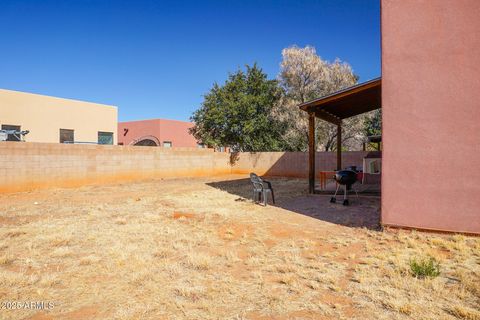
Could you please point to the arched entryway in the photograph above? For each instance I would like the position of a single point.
(146, 141)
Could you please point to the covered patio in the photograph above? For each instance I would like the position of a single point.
(349, 102)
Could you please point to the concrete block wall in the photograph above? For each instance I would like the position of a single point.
(293, 164)
(28, 166)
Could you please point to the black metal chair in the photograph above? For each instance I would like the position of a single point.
(261, 189)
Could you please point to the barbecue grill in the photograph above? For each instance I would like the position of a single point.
(345, 178)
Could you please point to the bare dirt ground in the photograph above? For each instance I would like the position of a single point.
(200, 249)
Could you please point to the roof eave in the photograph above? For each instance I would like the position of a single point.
(340, 94)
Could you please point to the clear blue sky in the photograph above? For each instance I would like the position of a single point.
(155, 59)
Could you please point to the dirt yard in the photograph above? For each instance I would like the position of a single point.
(200, 249)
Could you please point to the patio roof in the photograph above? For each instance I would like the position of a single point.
(335, 107)
(346, 103)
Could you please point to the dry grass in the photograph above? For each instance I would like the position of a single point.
(385, 285)
(183, 249)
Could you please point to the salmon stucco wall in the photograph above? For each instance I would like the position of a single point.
(431, 114)
(129, 132)
(173, 131)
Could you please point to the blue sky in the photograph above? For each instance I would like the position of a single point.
(156, 59)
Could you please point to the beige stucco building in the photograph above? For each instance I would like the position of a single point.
(51, 119)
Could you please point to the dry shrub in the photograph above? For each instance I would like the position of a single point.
(163, 253)
(62, 252)
(466, 313)
(7, 259)
(15, 233)
(49, 280)
(190, 293)
(88, 260)
(198, 261)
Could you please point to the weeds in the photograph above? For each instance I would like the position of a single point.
(424, 268)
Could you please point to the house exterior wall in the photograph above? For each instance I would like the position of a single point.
(431, 114)
(44, 116)
(162, 129)
(129, 132)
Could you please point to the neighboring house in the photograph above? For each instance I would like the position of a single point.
(156, 132)
(57, 120)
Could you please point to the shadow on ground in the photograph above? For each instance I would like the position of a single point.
(292, 194)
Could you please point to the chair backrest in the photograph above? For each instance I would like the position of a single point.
(256, 180)
(254, 177)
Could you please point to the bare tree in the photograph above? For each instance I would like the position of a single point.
(305, 76)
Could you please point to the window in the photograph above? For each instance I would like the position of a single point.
(200, 145)
(167, 144)
(11, 137)
(105, 137)
(66, 136)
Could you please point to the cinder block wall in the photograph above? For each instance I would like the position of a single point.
(293, 164)
(28, 166)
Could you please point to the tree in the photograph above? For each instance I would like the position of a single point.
(305, 76)
(238, 114)
(373, 125)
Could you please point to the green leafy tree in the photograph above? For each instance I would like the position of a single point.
(238, 113)
(373, 124)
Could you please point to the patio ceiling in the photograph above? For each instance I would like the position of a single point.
(349, 102)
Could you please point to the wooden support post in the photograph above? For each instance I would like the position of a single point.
(311, 152)
(339, 146)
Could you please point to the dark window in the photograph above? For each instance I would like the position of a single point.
(66, 136)
(146, 143)
(11, 137)
(105, 137)
(167, 144)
